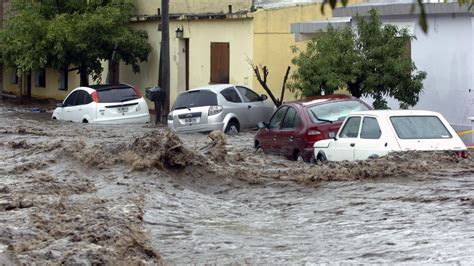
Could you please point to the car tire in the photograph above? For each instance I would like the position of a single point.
(321, 157)
(373, 156)
(232, 128)
(258, 146)
(298, 157)
(85, 121)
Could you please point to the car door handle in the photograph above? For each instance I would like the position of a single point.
(291, 138)
(353, 144)
(274, 138)
(249, 107)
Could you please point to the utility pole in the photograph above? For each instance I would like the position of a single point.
(1, 64)
(165, 59)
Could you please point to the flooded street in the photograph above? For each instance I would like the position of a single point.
(81, 193)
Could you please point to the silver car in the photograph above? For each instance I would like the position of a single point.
(225, 107)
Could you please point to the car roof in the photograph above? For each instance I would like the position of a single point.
(214, 88)
(315, 100)
(387, 113)
(102, 87)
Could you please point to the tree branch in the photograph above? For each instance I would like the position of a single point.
(264, 82)
(283, 87)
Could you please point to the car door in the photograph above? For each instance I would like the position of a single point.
(371, 141)
(235, 105)
(343, 147)
(256, 109)
(68, 106)
(85, 110)
(77, 111)
(286, 137)
(268, 137)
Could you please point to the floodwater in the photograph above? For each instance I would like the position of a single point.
(82, 193)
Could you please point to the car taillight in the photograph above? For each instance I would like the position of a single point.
(462, 154)
(137, 92)
(313, 135)
(95, 96)
(214, 110)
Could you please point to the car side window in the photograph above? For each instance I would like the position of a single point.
(248, 95)
(291, 118)
(351, 128)
(370, 129)
(231, 95)
(80, 98)
(276, 119)
(71, 99)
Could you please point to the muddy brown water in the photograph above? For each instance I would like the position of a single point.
(74, 193)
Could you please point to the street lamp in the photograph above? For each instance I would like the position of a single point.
(179, 32)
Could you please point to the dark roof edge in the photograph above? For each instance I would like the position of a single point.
(402, 9)
(194, 16)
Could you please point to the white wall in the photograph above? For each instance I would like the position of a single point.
(446, 54)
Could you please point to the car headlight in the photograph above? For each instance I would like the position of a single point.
(170, 116)
(214, 110)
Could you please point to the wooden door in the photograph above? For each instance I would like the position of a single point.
(219, 62)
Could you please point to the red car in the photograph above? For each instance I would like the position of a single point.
(295, 126)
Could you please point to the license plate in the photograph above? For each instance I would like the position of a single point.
(191, 120)
(122, 109)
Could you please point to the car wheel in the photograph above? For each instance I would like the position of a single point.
(85, 121)
(298, 157)
(232, 128)
(373, 156)
(321, 157)
(258, 146)
(54, 118)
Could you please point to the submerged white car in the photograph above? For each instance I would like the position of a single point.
(106, 104)
(371, 134)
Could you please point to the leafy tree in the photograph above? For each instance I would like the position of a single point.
(370, 61)
(72, 33)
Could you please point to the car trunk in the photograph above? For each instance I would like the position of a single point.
(119, 102)
(191, 109)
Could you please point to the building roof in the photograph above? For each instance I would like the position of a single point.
(401, 8)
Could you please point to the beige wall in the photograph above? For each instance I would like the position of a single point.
(50, 91)
(149, 7)
(273, 40)
(238, 33)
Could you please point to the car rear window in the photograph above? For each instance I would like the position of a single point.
(195, 99)
(334, 111)
(117, 94)
(419, 127)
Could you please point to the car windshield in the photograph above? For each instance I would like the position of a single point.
(419, 127)
(116, 94)
(195, 99)
(334, 111)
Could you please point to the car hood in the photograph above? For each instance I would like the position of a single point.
(323, 143)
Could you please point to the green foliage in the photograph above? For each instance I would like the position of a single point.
(79, 33)
(369, 62)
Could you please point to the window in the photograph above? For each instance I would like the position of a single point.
(276, 119)
(248, 95)
(82, 98)
(116, 94)
(351, 128)
(63, 80)
(14, 76)
(334, 111)
(40, 78)
(195, 98)
(71, 99)
(220, 62)
(291, 118)
(419, 127)
(370, 129)
(231, 95)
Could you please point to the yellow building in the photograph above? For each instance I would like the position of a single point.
(210, 42)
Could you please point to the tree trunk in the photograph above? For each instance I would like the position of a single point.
(84, 76)
(355, 90)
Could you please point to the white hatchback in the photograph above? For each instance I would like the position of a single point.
(372, 134)
(106, 104)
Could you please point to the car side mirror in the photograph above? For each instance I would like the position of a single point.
(263, 97)
(60, 105)
(262, 125)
